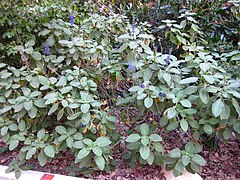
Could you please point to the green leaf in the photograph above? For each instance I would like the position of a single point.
(49, 151)
(209, 78)
(207, 129)
(60, 59)
(173, 125)
(133, 138)
(61, 130)
(167, 77)
(186, 103)
(85, 108)
(122, 48)
(30, 43)
(41, 134)
(199, 160)
(189, 80)
(44, 32)
(204, 95)
(4, 130)
(144, 129)
(227, 133)
(225, 113)
(144, 152)
(181, 39)
(74, 116)
(88, 142)
(145, 140)
(102, 141)
(185, 160)
(178, 169)
(148, 102)
(150, 158)
(158, 147)
(62, 81)
(184, 125)
(42, 158)
(37, 55)
(33, 112)
(44, 81)
(83, 153)
(189, 147)
(5, 109)
(17, 174)
(2, 65)
(97, 151)
(13, 144)
(78, 145)
(175, 153)
(204, 67)
(217, 107)
(28, 105)
(133, 45)
(171, 113)
(60, 114)
(53, 109)
(13, 127)
(69, 142)
(236, 105)
(147, 74)
(31, 152)
(100, 162)
(155, 138)
(134, 89)
(194, 167)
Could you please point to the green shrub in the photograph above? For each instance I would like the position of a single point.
(56, 80)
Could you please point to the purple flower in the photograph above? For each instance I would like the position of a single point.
(81, 125)
(168, 60)
(133, 28)
(71, 18)
(47, 49)
(131, 67)
(142, 85)
(163, 94)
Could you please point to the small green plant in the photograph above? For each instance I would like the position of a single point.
(147, 144)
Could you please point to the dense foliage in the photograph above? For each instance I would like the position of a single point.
(62, 64)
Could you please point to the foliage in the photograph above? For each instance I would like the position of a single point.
(60, 73)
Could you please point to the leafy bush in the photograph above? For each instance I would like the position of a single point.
(59, 86)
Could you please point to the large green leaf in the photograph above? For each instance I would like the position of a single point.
(144, 152)
(30, 153)
(100, 162)
(133, 138)
(144, 128)
(102, 141)
(199, 160)
(83, 153)
(175, 153)
(97, 151)
(49, 151)
(148, 102)
(42, 158)
(217, 107)
(184, 125)
(186, 103)
(189, 80)
(155, 138)
(171, 113)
